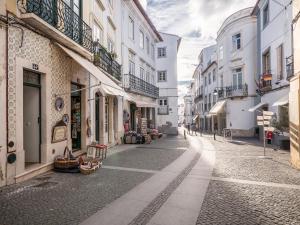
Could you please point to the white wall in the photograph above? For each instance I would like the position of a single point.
(237, 115)
(168, 89)
(245, 57)
(129, 9)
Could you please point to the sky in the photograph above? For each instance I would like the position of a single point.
(195, 21)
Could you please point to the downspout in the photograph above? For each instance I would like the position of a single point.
(6, 107)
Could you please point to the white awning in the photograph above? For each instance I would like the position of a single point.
(217, 107)
(282, 101)
(108, 86)
(140, 102)
(262, 104)
(195, 117)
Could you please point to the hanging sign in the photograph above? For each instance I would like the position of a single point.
(267, 122)
(260, 118)
(272, 129)
(268, 113)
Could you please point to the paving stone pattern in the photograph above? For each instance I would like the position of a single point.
(151, 157)
(240, 160)
(68, 199)
(144, 217)
(248, 204)
(240, 204)
(64, 198)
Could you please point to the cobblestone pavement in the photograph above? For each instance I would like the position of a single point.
(56, 198)
(243, 203)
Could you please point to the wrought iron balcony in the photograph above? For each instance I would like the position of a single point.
(105, 61)
(59, 15)
(232, 91)
(199, 96)
(290, 66)
(163, 110)
(139, 86)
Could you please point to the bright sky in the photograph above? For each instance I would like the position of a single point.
(196, 21)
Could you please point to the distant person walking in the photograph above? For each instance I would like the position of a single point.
(189, 128)
(194, 128)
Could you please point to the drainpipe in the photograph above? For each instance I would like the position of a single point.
(7, 140)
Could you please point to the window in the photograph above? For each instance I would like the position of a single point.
(214, 75)
(131, 67)
(110, 45)
(142, 73)
(97, 33)
(111, 3)
(162, 76)
(131, 28)
(236, 42)
(98, 10)
(163, 102)
(280, 62)
(162, 52)
(267, 62)
(221, 81)
(152, 76)
(141, 39)
(148, 76)
(209, 78)
(131, 63)
(221, 53)
(152, 51)
(148, 45)
(205, 81)
(266, 15)
(214, 99)
(237, 79)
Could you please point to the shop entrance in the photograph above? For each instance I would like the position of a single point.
(97, 118)
(32, 117)
(76, 116)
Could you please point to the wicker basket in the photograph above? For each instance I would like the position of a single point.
(66, 161)
(90, 167)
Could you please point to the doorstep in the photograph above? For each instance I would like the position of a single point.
(33, 171)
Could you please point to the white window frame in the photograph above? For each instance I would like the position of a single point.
(148, 45)
(236, 41)
(237, 78)
(162, 52)
(130, 28)
(142, 39)
(162, 76)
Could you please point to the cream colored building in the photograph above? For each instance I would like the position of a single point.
(139, 38)
(56, 72)
(294, 106)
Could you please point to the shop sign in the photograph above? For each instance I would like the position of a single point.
(59, 132)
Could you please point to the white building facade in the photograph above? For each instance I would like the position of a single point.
(274, 56)
(236, 53)
(139, 38)
(166, 64)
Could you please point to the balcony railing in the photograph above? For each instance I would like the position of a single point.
(105, 61)
(163, 110)
(199, 96)
(139, 86)
(290, 66)
(59, 15)
(233, 91)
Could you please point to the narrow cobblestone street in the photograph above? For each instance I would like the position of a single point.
(171, 181)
